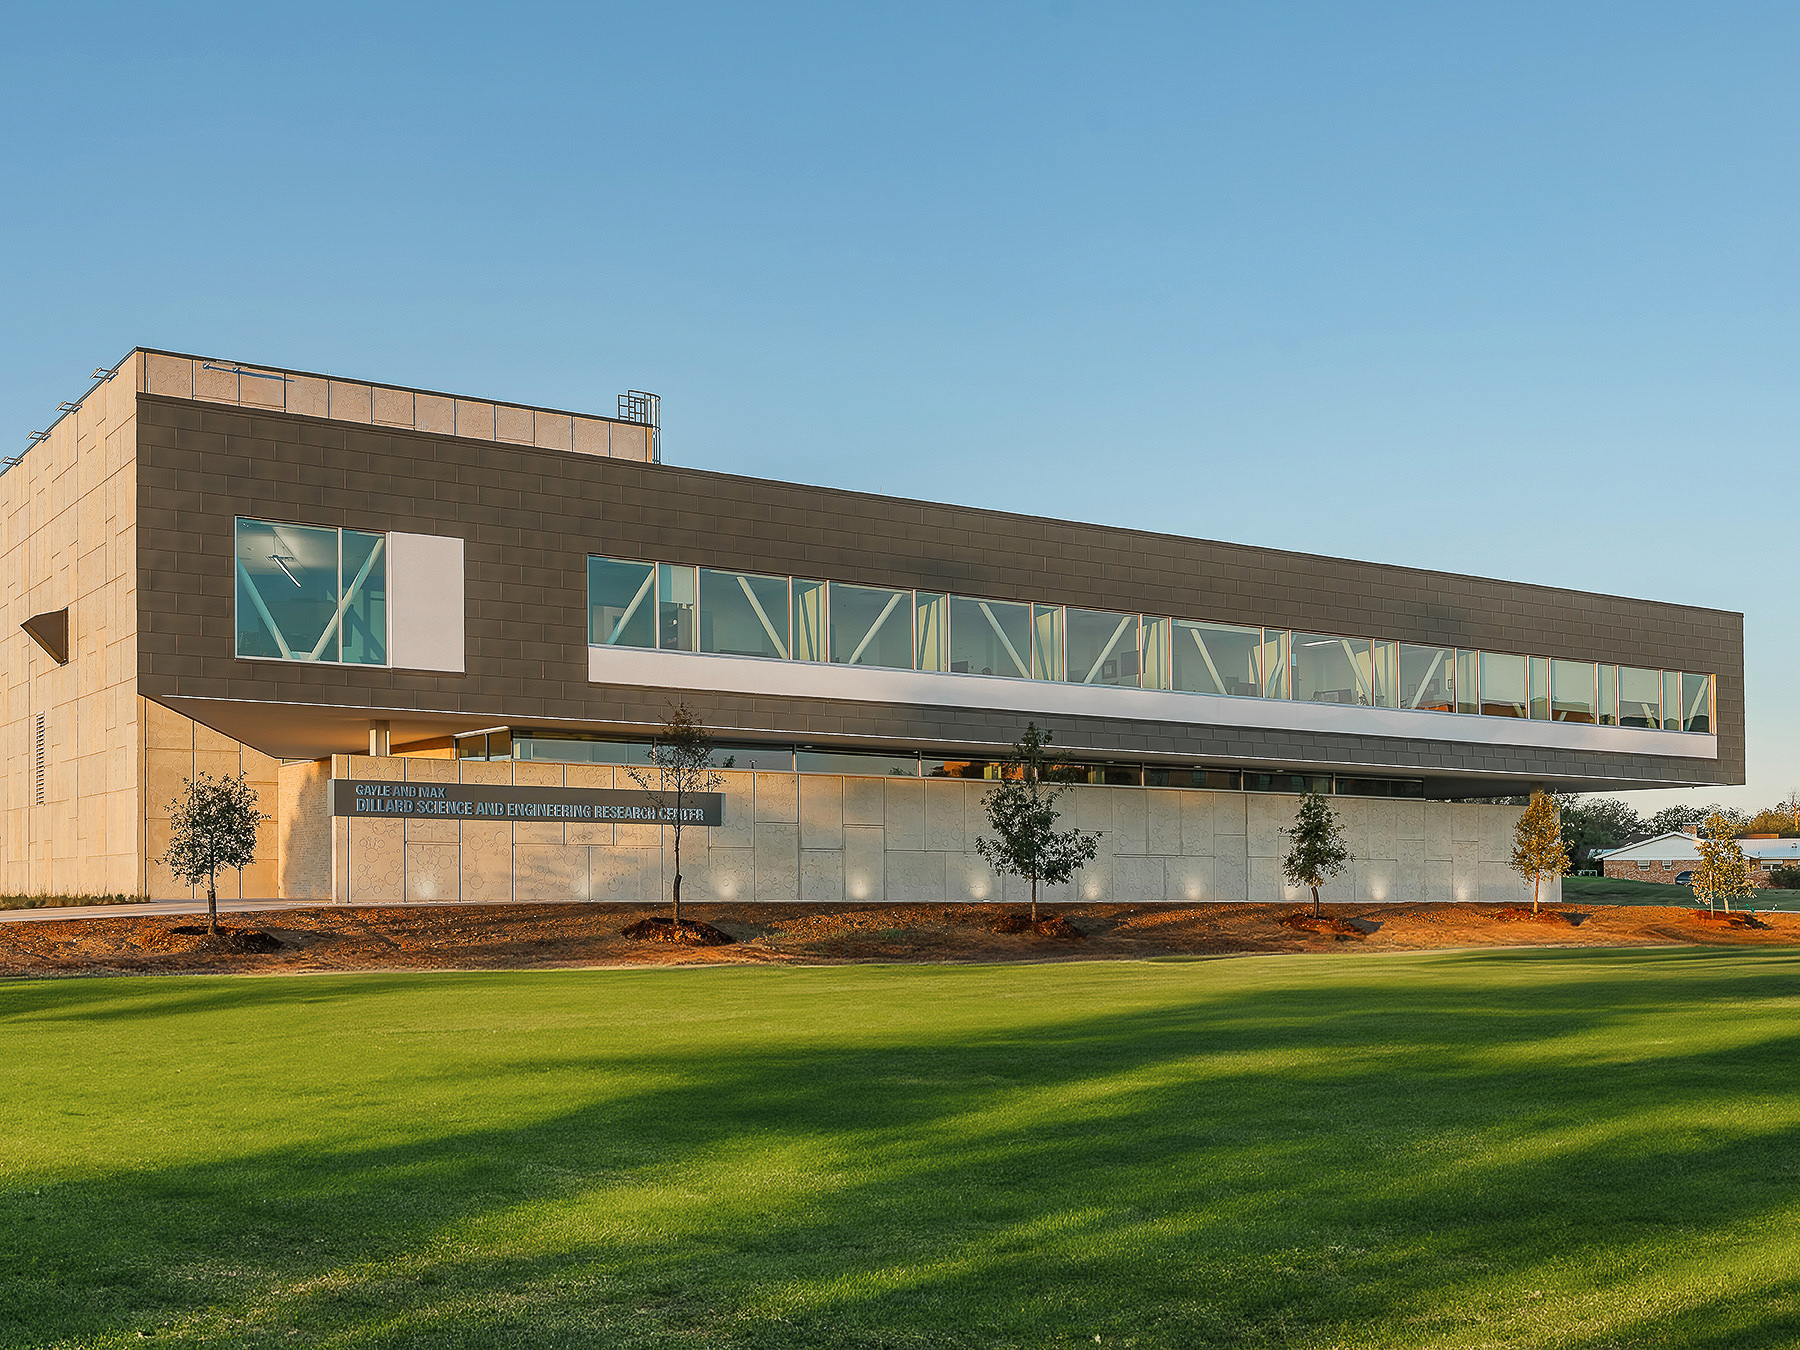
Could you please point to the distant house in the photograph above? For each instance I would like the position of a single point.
(1673, 856)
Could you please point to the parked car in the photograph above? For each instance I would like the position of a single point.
(1684, 878)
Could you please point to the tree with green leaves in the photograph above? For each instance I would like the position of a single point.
(212, 826)
(1723, 874)
(1319, 850)
(681, 766)
(1595, 822)
(1538, 848)
(1023, 814)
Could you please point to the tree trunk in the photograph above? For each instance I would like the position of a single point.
(1317, 912)
(675, 909)
(1537, 881)
(212, 906)
(1034, 899)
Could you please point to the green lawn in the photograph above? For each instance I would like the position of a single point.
(1520, 1148)
(1619, 891)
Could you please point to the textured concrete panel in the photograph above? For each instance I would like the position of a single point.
(971, 879)
(1188, 878)
(1137, 877)
(915, 876)
(905, 818)
(486, 861)
(777, 798)
(377, 860)
(550, 872)
(821, 875)
(433, 872)
(945, 809)
(865, 870)
(821, 812)
(777, 861)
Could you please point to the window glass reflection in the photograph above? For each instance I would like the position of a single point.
(1640, 697)
(871, 626)
(1153, 668)
(621, 603)
(1274, 661)
(1047, 639)
(1540, 688)
(1696, 703)
(931, 625)
(1503, 680)
(1573, 687)
(1333, 669)
(809, 621)
(1215, 658)
(1671, 708)
(990, 637)
(287, 591)
(1468, 681)
(742, 614)
(1609, 696)
(675, 608)
(1103, 648)
(363, 577)
(1427, 677)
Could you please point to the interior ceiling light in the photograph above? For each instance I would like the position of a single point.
(282, 563)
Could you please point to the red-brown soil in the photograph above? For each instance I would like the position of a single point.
(469, 937)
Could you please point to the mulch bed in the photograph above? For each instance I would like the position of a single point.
(542, 936)
(691, 933)
(244, 941)
(1050, 926)
(1735, 919)
(1325, 925)
(1523, 914)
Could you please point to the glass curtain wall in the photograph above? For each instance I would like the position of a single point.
(308, 593)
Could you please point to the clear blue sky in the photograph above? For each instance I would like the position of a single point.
(1505, 289)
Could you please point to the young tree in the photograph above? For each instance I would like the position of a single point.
(1724, 872)
(1319, 852)
(680, 766)
(1022, 811)
(1538, 849)
(213, 826)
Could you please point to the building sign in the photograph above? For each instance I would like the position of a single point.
(370, 800)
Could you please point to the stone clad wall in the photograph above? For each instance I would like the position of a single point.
(815, 837)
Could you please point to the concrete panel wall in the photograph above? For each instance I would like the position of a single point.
(175, 749)
(68, 538)
(821, 838)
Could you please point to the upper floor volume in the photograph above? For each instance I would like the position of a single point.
(307, 554)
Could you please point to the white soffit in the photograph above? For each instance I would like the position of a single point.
(426, 625)
(866, 684)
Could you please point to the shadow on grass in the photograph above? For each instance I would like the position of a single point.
(1510, 1155)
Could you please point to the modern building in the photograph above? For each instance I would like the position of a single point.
(317, 581)
(1672, 857)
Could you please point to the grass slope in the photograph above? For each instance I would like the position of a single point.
(1528, 1148)
(1622, 891)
